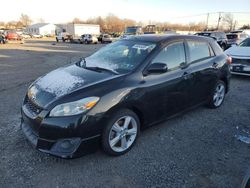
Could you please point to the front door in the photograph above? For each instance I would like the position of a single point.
(167, 93)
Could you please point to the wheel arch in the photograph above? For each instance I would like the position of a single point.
(133, 108)
(225, 80)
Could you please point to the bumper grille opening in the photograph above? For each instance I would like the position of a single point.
(31, 106)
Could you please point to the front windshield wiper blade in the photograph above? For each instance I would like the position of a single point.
(98, 69)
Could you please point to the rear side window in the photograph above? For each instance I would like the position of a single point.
(198, 50)
(172, 55)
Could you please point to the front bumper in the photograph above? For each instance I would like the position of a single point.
(52, 147)
(66, 137)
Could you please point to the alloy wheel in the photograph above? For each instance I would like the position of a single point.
(123, 133)
(219, 94)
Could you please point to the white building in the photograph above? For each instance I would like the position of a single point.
(42, 29)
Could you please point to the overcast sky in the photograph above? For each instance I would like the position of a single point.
(56, 11)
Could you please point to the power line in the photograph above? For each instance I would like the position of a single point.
(204, 14)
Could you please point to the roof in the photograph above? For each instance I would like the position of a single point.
(38, 25)
(162, 38)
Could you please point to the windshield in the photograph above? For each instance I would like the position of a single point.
(121, 56)
(245, 43)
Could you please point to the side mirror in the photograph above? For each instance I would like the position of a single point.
(157, 68)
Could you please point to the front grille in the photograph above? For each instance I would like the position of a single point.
(241, 61)
(31, 106)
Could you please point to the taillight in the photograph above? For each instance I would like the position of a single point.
(229, 60)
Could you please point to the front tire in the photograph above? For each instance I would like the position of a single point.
(217, 96)
(121, 132)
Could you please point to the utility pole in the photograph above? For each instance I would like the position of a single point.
(207, 21)
(219, 19)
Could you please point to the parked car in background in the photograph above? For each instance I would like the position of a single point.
(235, 38)
(133, 30)
(26, 35)
(36, 36)
(240, 58)
(99, 38)
(220, 37)
(13, 36)
(106, 38)
(108, 97)
(63, 36)
(89, 39)
(2, 38)
(243, 31)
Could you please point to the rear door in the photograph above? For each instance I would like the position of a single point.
(202, 70)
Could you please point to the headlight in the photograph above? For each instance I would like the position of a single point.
(74, 108)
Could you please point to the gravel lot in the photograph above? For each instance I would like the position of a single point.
(197, 149)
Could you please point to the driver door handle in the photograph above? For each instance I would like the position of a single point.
(215, 65)
(187, 75)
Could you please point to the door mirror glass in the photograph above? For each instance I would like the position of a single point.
(158, 68)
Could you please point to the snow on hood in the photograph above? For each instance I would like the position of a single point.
(238, 51)
(59, 82)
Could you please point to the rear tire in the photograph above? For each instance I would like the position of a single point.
(217, 95)
(121, 132)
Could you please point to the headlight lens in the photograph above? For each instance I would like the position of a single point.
(74, 108)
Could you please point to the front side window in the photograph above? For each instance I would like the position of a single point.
(172, 55)
(198, 50)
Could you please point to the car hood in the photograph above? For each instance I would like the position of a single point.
(64, 81)
(237, 51)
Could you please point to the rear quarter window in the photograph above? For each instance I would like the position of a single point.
(199, 50)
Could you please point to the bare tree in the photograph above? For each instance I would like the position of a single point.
(245, 27)
(25, 19)
(77, 21)
(228, 20)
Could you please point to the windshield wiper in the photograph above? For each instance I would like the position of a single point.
(82, 63)
(98, 69)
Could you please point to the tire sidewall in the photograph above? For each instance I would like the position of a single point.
(211, 100)
(106, 131)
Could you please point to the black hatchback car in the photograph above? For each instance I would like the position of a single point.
(130, 84)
